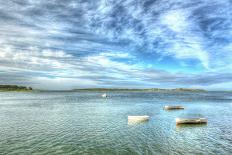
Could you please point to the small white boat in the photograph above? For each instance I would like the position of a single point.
(191, 121)
(171, 107)
(135, 119)
(104, 95)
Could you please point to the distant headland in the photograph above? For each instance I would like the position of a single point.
(143, 90)
(24, 88)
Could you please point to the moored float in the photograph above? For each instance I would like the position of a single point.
(191, 121)
(136, 119)
(175, 107)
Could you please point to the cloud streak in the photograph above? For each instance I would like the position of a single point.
(109, 43)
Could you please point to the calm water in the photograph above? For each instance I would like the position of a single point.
(84, 123)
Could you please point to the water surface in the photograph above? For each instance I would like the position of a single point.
(85, 123)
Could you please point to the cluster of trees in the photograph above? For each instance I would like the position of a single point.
(14, 88)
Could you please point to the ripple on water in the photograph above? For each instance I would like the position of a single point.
(85, 123)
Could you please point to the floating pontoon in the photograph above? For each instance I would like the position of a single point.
(175, 107)
(191, 121)
(135, 119)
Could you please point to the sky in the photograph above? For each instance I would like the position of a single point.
(57, 44)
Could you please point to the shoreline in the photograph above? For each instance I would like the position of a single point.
(16, 88)
(105, 91)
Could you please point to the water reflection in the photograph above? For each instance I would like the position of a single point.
(180, 127)
(131, 122)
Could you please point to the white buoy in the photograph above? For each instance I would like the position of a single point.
(104, 95)
(136, 119)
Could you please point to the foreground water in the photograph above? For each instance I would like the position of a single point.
(84, 123)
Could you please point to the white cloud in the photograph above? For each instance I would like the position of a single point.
(33, 58)
(176, 20)
(116, 55)
(195, 51)
(105, 61)
(102, 70)
(187, 44)
(56, 54)
(59, 83)
(182, 30)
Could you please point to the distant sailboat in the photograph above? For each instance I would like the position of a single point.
(104, 95)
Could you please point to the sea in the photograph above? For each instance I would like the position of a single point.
(85, 123)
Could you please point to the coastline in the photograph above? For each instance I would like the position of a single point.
(140, 90)
(15, 88)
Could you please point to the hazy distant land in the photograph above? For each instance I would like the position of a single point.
(24, 88)
(143, 90)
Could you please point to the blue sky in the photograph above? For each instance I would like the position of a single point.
(70, 44)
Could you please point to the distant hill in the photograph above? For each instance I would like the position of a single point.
(143, 90)
(23, 88)
(14, 88)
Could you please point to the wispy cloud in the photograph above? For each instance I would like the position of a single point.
(116, 43)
